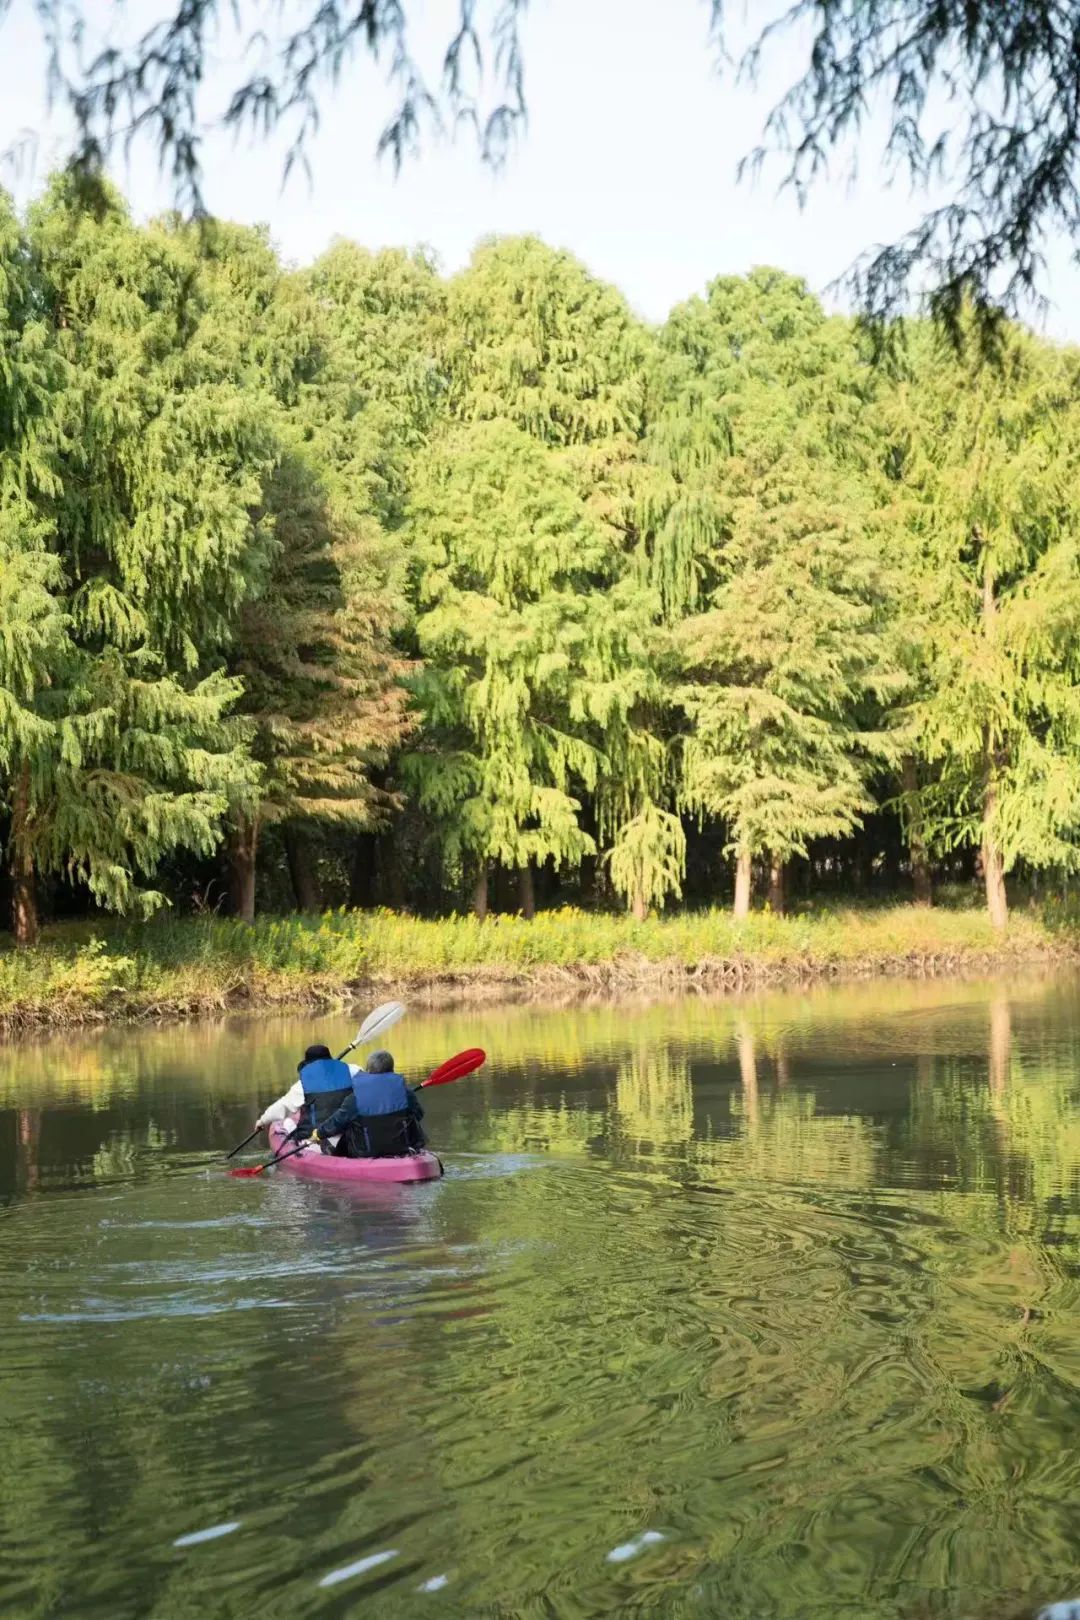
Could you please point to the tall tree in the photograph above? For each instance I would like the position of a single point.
(989, 459)
(532, 637)
(784, 664)
(313, 644)
(158, 453)
(535, 341)
(34, 643)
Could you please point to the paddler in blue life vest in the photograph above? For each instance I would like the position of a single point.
(380, 1116)
(323, 1083)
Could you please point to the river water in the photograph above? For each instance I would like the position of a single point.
(724, 1308)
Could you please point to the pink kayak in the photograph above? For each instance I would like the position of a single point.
(312, 1161)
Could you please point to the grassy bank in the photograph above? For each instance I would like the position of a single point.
(176, 968)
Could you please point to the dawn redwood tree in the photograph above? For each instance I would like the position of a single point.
(785, 663)
(158, 454)
(381, 382)
(313, 643)
(535, 341)
(35, 648)
(988, 463)
(532, 638)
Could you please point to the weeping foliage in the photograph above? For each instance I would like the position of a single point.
(487, 568)
(147, 549)
(989, 470)
(521, 620)
(786, 668)
(538, 515)
(33, 626)
(313, 646)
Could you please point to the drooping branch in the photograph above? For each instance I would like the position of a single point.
(154, 89)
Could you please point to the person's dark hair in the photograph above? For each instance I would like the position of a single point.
(314, 1054)
(380, 1063)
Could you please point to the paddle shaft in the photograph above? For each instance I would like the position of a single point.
(244, 1143)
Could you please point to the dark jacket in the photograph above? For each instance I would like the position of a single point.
(381, 1114)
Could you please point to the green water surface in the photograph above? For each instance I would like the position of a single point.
(724, 1308)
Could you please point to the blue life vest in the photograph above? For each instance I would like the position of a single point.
(378, 1094)
(326, 1082)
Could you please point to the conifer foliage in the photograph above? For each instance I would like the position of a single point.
(484, 578)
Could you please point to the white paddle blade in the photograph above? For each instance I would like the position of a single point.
(379, 1021)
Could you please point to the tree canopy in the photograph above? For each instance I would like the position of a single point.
(359, 581)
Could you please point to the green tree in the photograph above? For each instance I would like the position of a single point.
(536, 342)
(988, 460)
(313, 646)
(785, 665)
(532, 639)
(34, 644)
(158, 454)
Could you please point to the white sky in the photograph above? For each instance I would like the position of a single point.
(629, 161)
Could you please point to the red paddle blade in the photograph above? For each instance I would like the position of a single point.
(249, 1170)
(454, 1068)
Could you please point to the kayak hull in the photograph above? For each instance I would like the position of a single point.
(318, 1166)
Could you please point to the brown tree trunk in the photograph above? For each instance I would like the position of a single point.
(639, 910)
(526, 891)
(24, 911)
(305, 879)
(480, 892)
(776, 887)
(743, 876)
(997, 901)
(992, 863)
(243, 844)
(362, 876)
(916, 832)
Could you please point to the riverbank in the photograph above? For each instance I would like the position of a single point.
(177, 968)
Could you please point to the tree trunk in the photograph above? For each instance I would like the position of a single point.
(480, 892)
(24, 911)
(362, 876)
(776, 887)
(526, 891)
(993, 865)
(305, 879)
(638, 908)
(997, 902)
(243, 843)
(743, 876)
(916, 831)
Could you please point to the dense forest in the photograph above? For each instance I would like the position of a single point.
(360, 585)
